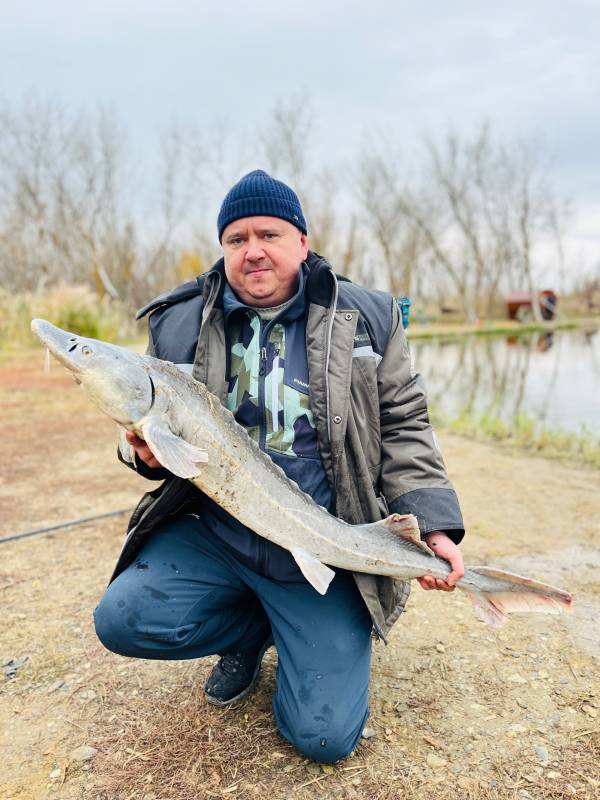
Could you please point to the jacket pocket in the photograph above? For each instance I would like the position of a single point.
(375, 475)
(364, 408)
(383, 506)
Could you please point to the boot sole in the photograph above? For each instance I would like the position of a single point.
(213, 701)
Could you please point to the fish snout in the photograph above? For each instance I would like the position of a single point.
(65, 347)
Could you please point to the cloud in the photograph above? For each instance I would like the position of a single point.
(531, 68)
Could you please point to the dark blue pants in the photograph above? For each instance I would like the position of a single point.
(188, 596)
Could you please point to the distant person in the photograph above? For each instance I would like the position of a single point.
(318, 371)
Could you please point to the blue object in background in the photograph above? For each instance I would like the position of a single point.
(404, 303)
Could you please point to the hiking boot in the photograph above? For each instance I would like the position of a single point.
(235, 675)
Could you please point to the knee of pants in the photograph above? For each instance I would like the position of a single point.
(113, 630)
(327, 747)
(121, 633)
(324, 736)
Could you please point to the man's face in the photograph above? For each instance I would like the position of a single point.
(262, 259)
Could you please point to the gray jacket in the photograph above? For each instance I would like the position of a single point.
(370, 410)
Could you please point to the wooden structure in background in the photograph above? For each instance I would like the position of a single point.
(519, 306)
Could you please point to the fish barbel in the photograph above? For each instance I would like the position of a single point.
(194, 436)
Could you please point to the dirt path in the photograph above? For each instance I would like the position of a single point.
(458, 710)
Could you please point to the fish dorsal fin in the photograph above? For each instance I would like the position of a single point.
(404, 526)
(316, 573)
(173, 452)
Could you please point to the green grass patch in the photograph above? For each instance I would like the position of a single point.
(496, 328)
(523, 433)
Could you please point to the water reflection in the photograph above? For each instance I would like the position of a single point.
(554, 378)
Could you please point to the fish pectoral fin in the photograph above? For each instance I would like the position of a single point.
(125, 449)
(316, 573)
(173, 452)
(406, 527)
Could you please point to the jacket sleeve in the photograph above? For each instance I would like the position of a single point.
(151, 473)
(413, 475)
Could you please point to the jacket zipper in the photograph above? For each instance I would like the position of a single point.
(275, 390)
(262, 371)
(273, 401)
(263, 362)
(262, 432)
(332, 309)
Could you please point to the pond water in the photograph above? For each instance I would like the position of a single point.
(553, 378)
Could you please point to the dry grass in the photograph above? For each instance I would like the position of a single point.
(175, 746)
(74, 308)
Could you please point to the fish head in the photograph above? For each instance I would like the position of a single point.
(116, 380)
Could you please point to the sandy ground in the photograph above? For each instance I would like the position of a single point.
(457, 709)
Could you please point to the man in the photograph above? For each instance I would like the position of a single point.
(318, 371)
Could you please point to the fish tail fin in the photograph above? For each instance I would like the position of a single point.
(502, 593)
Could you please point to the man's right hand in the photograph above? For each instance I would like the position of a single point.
(142, 450)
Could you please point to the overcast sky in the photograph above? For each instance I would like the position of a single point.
(531, 67)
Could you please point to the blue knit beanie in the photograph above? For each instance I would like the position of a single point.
(259, 195)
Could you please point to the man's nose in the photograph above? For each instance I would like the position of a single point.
(255, 250)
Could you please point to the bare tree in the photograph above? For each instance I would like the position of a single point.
(462, 225)
(284, 147)
(59, 199)
(394, 236)
(476, 214)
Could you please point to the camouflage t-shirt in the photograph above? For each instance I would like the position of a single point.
(269, 389)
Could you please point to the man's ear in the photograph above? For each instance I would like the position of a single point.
(304, 244)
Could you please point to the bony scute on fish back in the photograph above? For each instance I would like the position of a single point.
(193, 436)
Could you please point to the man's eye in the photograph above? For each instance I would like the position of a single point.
(236, 241)
(270, 236)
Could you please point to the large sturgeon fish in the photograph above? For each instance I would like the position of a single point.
(195, 437)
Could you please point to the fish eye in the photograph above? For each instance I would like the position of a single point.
(86, 351)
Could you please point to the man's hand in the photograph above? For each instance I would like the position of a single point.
(142, 450)
(445, 548)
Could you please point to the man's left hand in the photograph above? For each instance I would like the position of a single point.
(445, 548)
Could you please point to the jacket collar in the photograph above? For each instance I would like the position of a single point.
(320, 286)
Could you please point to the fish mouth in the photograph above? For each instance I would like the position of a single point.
(60, 343)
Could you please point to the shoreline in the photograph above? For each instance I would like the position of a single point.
(439, 330)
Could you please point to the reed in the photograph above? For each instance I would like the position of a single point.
(525, 433)
(73, 308)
